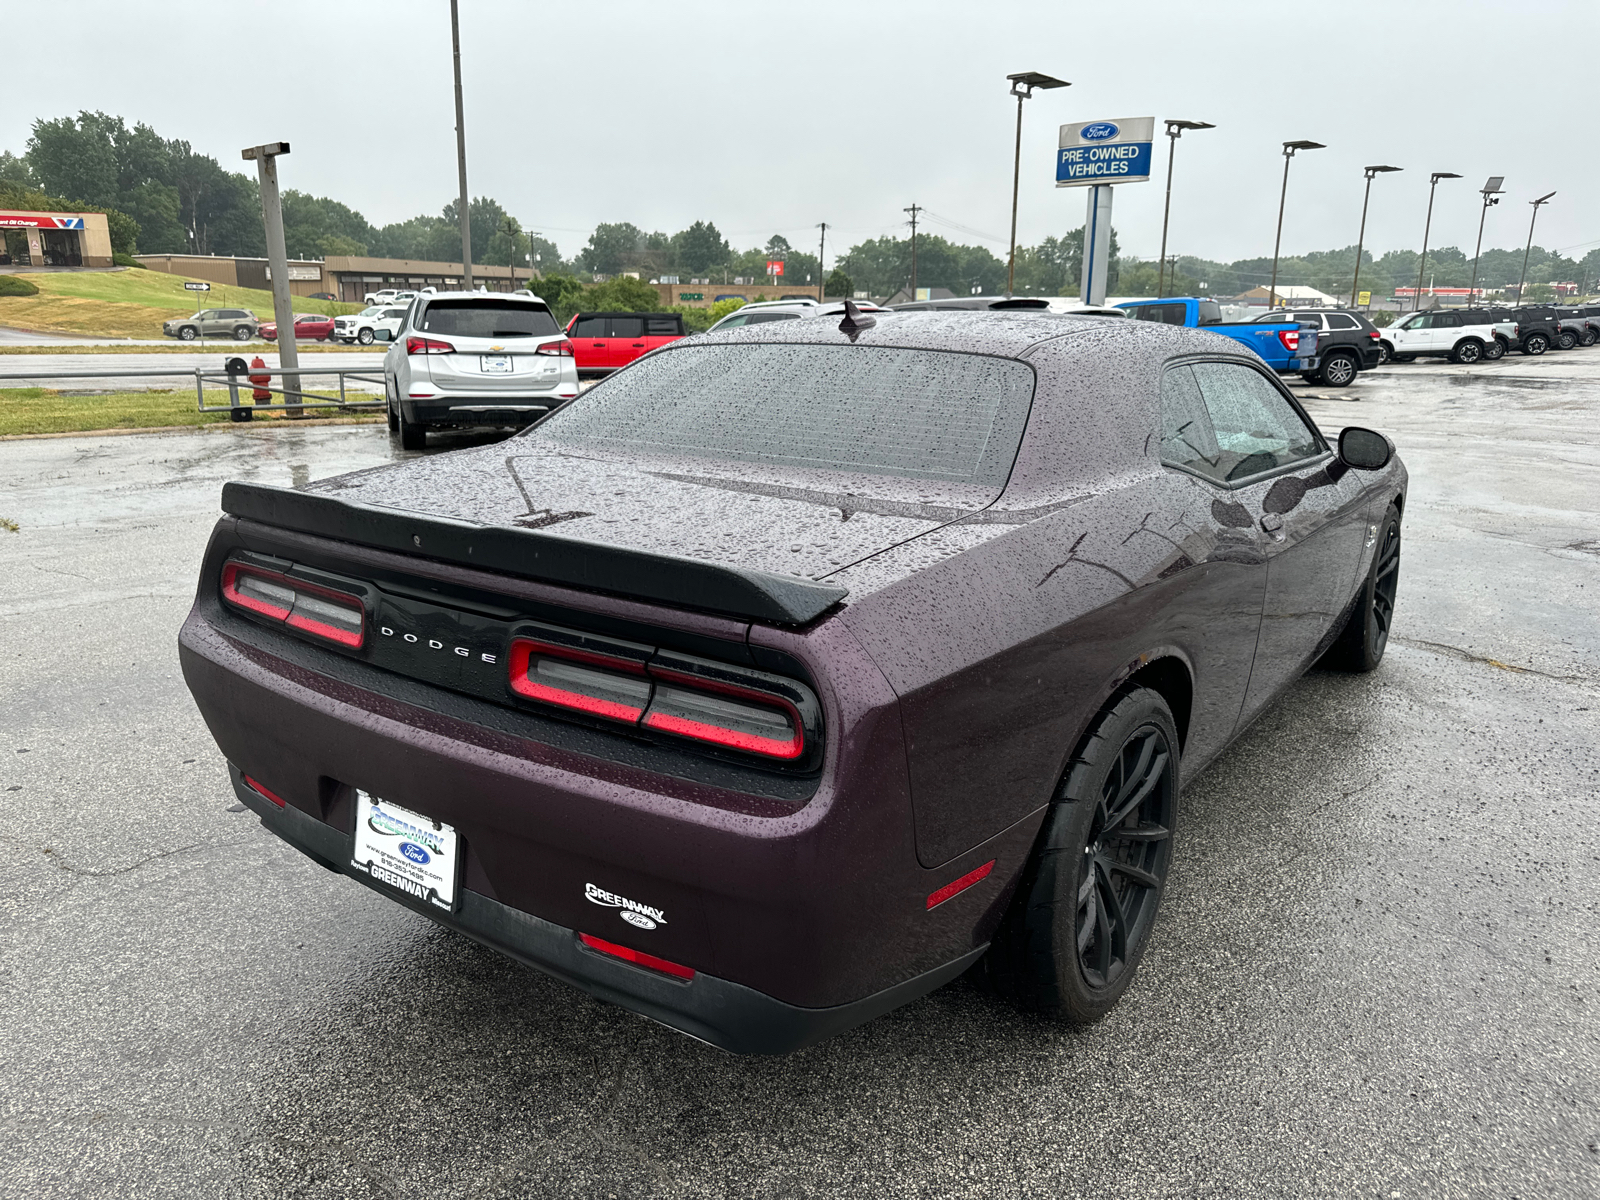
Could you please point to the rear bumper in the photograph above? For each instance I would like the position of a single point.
(719, 1011)
(481, 409)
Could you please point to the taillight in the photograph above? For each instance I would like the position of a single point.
(562, 349)
(322, 612)
(717, 704)
(422, 345)
(582, 680)
(1290, 339)
(1374, 335)
(637, 957)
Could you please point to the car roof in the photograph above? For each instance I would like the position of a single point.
(990, 303)
(1007, 334)
(518, 297)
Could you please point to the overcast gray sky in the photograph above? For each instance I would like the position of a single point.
(768, 117)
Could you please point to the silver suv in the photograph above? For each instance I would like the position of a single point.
(236, 323)
(474, 358)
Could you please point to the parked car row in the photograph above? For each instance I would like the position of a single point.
(1468, 335)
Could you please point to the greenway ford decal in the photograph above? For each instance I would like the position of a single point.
(634, 913)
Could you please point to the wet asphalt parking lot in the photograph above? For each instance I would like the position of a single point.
(1376, 971)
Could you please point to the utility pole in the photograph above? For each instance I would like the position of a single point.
(1174, 132)
(913, 210)
(1491, 195)
(1288, 153)
(465, 214)
(1524, 277)
(266, 160)
(1433, 183)
(1361, 238)
(822, 245)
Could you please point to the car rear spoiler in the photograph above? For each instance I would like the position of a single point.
(547, 557)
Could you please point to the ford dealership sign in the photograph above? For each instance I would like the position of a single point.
(1105, 152)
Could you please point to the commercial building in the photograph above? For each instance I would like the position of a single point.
(344, 276)
(696, 294)
(305, 276)
(40, 239)
(1292, 294)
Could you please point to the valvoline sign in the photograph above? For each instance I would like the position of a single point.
(1094, 152)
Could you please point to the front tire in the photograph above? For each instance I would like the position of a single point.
(365, 337)
(1402, 358)
(1361, 645)
(188, 333)
(1072, 939)
(1339, 370)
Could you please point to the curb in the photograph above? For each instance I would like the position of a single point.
(214, 426)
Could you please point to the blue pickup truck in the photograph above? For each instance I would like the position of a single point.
(1288, 347)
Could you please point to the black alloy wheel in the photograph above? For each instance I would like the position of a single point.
(1365, 637)
(1535, 344)
(1339, 370)
(1468, 352)
(1494, 350)
(1072, 940)
(1566, 339)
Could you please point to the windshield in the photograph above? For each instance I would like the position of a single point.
(488, 318)
(1414, 322)
(918, 413)
(373, 311)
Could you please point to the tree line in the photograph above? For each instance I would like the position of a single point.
(164, 198)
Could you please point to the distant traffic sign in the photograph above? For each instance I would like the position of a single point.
(196, 287)
(1093, 152)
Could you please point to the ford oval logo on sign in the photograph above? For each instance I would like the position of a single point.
(1100, 131)
(415, 853)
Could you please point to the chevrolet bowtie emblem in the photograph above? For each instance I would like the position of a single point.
(497, 347)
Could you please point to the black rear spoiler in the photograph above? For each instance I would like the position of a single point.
(547, 557)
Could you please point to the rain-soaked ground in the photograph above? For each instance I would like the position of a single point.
(1377, 971)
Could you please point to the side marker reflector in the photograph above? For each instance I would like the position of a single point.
(957, 886)
(256, 787)
(637, 957)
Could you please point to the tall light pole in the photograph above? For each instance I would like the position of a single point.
(461, 154)
(1491, 195)
(1433, 182)
(1288, 152)
(1174, 132)
(1022, 86)
(1529, 247)
(1361, 238)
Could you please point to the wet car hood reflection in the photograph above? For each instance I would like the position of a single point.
(807, 524)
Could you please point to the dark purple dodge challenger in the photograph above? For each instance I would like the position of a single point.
(792, 671)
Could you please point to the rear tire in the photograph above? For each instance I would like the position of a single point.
(1403, 358)
(1072, 939)
(1467, 352)
(1535, 344)
(1589, 338)
(1494, 350)
(1385, 352)
(241, 333)
(1361, 645)
(412, 435)
(1566, 339)
(1339, 370)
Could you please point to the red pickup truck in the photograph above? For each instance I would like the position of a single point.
(604, 341)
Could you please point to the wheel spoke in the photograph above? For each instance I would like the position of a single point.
(1154, 772)
(1144, 833)
(1116, 919)
(1138, 874)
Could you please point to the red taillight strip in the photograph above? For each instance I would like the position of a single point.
(733, 738)
(957, 886)
(352, 638)
(232, 594)
(256, 787)
(637, 957)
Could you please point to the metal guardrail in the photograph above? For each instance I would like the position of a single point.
(238, 379)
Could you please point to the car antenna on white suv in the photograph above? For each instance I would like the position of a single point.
(855, 320)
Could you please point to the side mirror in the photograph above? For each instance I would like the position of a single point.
(1365, 449)
(382, 335)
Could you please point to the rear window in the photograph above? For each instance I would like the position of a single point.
(663, 326)
(876, 410)
(487, 318)
(1210, 312)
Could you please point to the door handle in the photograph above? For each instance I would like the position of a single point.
(1273, 524)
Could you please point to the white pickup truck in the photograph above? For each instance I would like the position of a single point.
(390, 296)
(366, 325)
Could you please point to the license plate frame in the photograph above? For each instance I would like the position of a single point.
(428, 872)
(496, 364)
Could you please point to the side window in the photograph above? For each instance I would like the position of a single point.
(1341, 321)
(1446, 320)
(1314, 318)
(733, 321)
(662, 326)
(1256, 428)
(627, 327)
(762, 318)
(590, 327)
(1210, 312)
(1187, 439)
(1167, 314)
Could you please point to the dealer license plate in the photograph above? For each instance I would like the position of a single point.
(406, 851)
(496, 364)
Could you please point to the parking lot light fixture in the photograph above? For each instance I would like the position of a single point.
(266, 159)
(1361, 237)
(1491, 195)
(1433, 182)
(1174, 132)
(1022, 85)
(1289, 149)
(1529, 247)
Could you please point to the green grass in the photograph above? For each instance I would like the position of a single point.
(210, 346)
(131, 303)
(42, 410)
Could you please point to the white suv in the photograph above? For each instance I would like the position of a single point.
(1444, 334)
(389, 296)
(473, 359)
(366, 325)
